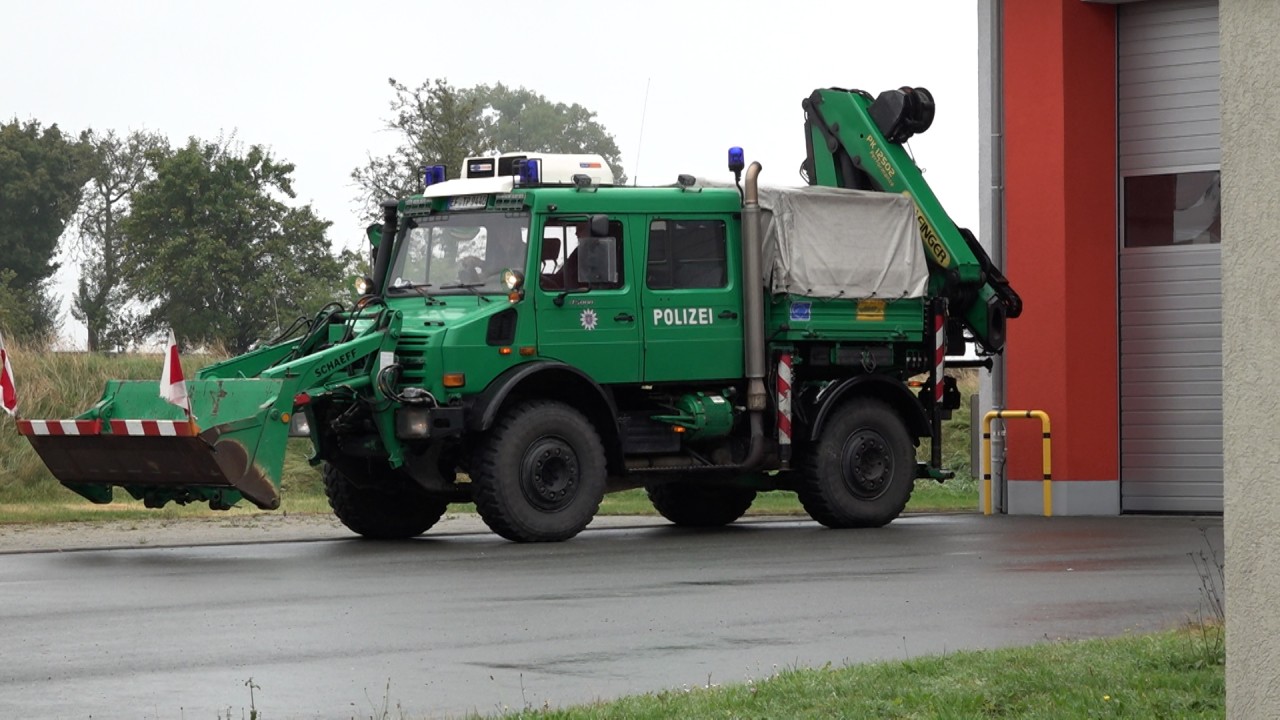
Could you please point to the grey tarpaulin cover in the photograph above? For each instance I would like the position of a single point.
(833, 242)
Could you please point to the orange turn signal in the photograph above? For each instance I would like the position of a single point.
(528, 351)
(454, 380)
(504, 351)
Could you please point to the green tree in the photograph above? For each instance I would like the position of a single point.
(521, 119)
(438, 123)
(42, 171)
(119, 166)
(215, 251)
(15, 319)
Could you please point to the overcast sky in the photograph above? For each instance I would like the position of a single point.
(309, 80)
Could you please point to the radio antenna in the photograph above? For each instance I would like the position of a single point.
(635, 179)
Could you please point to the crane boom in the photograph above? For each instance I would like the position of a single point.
(855, 141)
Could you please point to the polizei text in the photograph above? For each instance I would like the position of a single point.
(682, 316)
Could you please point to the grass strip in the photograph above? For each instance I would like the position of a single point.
(1173, 674)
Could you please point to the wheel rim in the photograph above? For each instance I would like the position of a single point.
(866, 465)
(549, 474)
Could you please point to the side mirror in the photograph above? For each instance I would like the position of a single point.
(597, 258)
(599, 226)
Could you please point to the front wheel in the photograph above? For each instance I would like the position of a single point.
(393, 509)
(700, 505)
(540, 474)
(861, 470)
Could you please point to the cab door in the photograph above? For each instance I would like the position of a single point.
(596, 327)
(692, 298)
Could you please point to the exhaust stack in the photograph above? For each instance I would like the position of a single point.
(753, 292)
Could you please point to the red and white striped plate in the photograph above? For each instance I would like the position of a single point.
(146, 428)
(153, 428)
(59, 427)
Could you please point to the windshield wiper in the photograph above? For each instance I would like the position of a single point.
(419, 289)
(469, 286)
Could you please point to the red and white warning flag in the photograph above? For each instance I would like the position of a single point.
(8, 393)
(173, 384)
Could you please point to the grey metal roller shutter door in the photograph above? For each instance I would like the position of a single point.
(1170, 297)
(1171, 380)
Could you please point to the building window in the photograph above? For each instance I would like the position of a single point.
(1176, 209)
(687, 254)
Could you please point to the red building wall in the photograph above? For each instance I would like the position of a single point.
(1061, 253)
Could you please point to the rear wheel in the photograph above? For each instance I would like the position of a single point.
(539, 476)
(861, 470)
(391, 510)
(700, 505)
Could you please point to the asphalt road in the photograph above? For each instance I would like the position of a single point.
(459, 623)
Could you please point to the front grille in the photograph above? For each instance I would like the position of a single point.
(411, 354)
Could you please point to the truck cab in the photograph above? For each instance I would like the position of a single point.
(653, 296)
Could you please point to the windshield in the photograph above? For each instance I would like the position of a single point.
(460, 253)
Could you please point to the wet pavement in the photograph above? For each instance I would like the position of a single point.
(459, 622)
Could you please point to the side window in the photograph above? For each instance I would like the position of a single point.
(558, 269)
(686, 254)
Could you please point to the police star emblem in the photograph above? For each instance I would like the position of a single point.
(588, 319)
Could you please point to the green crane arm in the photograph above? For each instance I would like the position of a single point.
(855, 141)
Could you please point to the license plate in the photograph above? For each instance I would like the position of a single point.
(469, 202)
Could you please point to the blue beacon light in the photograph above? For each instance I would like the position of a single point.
(530, 172)
(432, 174)
(737, 160)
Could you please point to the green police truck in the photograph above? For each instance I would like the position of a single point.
(533, 337)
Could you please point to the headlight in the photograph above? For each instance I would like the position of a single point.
(413, 422)
(364, 285)
(512, 279)
(298, 425)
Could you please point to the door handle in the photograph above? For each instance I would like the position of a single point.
(728, 315)
(624, 317)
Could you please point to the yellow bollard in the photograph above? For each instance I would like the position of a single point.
(1046, 453)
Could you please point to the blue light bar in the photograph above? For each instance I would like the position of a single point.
(432, 174)
(737, 161)
(530, 171)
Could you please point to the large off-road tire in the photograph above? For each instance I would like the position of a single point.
(691, 505)
(861, 470)
(395, 511)
(540, 473)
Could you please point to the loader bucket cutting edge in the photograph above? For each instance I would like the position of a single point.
(160, 459)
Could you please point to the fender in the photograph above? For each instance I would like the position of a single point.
(898, 396)
(482, 410)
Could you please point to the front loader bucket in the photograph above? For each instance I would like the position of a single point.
(134, 440)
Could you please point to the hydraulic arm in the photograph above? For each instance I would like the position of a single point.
(855, 141)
